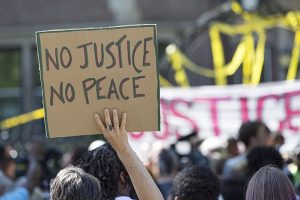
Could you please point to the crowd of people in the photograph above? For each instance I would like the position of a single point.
(113, 171)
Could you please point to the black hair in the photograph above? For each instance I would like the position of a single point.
(232, 140)
(234, 188)
(249, 130)
(168, 162)
(104, 163)
(72, 183)
(278, 137)
(262, 156)
(2, 153)
(196, 183)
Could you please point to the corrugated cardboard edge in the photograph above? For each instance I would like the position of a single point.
(39, 53)
(157, 73)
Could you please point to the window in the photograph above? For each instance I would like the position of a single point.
(36, 82)
(10, 81)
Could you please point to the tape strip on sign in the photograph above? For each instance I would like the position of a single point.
(22, 119)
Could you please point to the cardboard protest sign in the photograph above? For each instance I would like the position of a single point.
(84, 71)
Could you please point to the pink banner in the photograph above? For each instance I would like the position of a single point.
(219, 111)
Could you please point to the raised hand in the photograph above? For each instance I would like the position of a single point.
(115, 133)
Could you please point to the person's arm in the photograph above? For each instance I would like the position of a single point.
(34, 169)
(116, 135)
(33, 175)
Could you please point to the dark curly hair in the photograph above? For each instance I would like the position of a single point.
(196, 183)
(105, 165)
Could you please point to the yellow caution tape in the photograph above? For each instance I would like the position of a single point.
(248, 59)
(176, 61)
(293, 67)
(186, 62)
(248, 56)
(22, 119)
(164, 82)
(237, 59)
(259, 58)
(218, 55)
(236, 7)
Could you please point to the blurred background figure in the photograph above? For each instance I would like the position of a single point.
(232, 148)
(259, 157)
(72, 156)
(188, 150)
(252, 134)
(168, 167)
(278, 141)
(22, 188)
(234, 187)
(295, 170)
(7, 169)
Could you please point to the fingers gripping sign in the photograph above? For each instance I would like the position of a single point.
(115, 134)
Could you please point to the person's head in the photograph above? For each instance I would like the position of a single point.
(72, 183)
(254, 133)
(278, 140)
(196, 183)
(270, 183)
(7, 163)
(168, 163)
(262, 156)
(104, 163)
(233, 188)
(232, 147)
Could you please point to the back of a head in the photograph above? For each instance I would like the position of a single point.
(196, 183)
(269, 183)
(168, 162)
(262, 156)
(73, 183)
(234, 187)
(104, 163)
